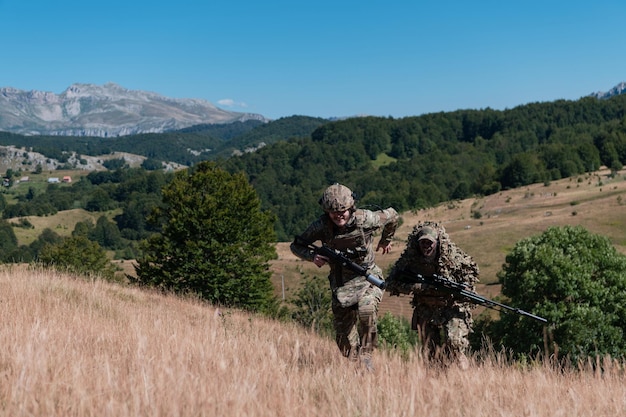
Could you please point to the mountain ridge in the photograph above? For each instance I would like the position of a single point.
(615, 91)
(107, 110)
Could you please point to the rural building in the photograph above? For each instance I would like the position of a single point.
(67, 178)
(53, 180)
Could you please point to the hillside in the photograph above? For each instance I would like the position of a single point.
(14, 158)
(89, 348)
(594, 201)
(179, 147)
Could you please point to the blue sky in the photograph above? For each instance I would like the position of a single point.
(320, 58)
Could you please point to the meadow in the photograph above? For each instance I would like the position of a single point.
(74, 347)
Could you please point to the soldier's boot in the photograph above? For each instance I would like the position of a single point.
(458, 358)
(369, 338)
(353, 354)
(349, 345)
(366, 361)
(350, 352)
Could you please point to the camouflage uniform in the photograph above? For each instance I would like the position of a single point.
(354, 300)
(443, 321)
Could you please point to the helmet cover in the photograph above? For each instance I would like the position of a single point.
(337, 197)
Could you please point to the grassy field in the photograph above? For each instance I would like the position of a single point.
(73, 347)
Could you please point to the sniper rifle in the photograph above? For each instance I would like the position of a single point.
(462, 291)
(342, 259)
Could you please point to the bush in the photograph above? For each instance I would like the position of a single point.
(78, 255)
(396, 334)
(576, 280)
(313, 306)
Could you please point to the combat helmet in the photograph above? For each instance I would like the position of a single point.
(337, 197)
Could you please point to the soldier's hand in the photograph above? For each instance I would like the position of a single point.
(320, 260)
(386, 248)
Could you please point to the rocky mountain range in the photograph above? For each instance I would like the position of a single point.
(108, 110)
(615, 91)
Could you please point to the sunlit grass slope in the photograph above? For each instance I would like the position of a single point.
(72, 347)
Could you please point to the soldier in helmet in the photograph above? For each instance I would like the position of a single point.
(354, 300)
(442, 321)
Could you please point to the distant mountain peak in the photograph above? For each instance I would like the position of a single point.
(107, 110)
(615, 91)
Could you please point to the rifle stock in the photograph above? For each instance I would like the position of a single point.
(343, 260)
(461, 290)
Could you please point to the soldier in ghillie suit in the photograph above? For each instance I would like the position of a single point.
(354, 300)
(443, 321)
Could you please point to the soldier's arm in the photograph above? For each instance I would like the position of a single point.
(389, 222)
(396, 284)
(464, 269)
(313, 233)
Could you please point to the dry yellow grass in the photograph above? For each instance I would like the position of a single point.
(72, 347)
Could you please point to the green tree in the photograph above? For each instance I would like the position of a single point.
(113, 164)
(575, 279)
(8, 241)
(313, 306)
(47, 237)
(106, 234)
(524, 169)
(100, 200)
(30, 194)
(214, 240)
(78, 255)
(83, 228)
(132, 222)
(151, 164)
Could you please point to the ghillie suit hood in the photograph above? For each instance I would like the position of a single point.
(451, 262)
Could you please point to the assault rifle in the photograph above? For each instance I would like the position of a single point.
(461, 290)
(342, 259)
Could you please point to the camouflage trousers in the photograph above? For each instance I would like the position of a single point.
(443, 330)
(355, 325)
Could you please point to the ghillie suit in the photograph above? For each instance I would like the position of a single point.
(443, 321)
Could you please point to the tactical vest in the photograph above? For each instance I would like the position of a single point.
(355, 241)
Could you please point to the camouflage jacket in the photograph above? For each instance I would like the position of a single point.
(450, 262)
(356, 238)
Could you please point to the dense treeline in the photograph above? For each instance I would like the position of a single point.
(187, 146)
(417, 162)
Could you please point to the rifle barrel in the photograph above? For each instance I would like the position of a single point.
(490, 303)
(461, 289)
